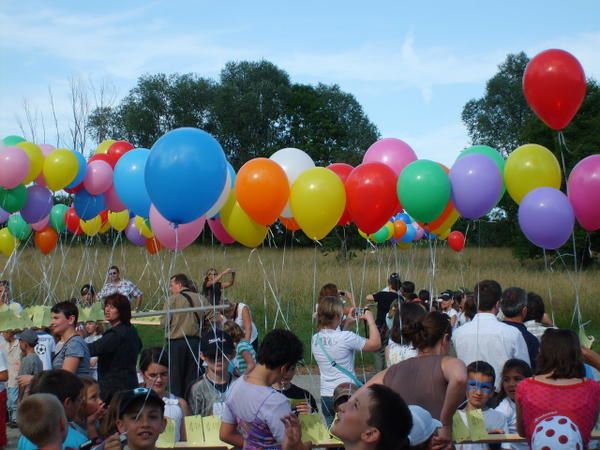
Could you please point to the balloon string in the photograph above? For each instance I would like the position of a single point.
(549, 284)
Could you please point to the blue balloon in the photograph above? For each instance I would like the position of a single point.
(185, 174)
(82, 164)
(410, 234)
(88, 206)
(232, 174)
(129, 181)
(404, 218)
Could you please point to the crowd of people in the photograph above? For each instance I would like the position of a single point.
(441, 364)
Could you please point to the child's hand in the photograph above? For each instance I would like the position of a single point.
(443, 439)
(496, 431)
(24, 380)
(303, 408)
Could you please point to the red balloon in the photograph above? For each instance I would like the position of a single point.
(110, 159)
(118, 149)
(554, 87)
(72, 221)
(75, 189)
(371, 196)
(153, 246)
(342, 170)
(104, 216)
(456, 241)
(290, 223)
(45, 240)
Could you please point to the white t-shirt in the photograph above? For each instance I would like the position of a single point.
(3, 366)
(399, 352)
(452, 313)
(340, 345)
(44, 349)
(508, 409)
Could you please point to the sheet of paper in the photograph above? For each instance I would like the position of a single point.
(476, 424)
(194, 430)
(167, 437)
(460, 431)
(313, 428)
(211, 426)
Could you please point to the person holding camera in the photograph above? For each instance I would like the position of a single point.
(212, 286)
(334, 349)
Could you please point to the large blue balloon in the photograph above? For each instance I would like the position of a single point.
(129, 181)
(185, 174)
(88, 206)
(82, 164)
(410, 234)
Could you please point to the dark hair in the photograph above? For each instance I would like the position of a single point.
(122, 304)
(424, 295)
(108, 425)
(66, 308)
(408, 287)
(87, 289)
(59, 382)
(470, 306)
(389, 413)
(114, 268)
(487, 294)
(514, 364)
(513, 301)
(395, 281)
(483, 368)
(535, 307)
(407, 314)
(153, 355)
(280, 348)
(182, 279)
(328, 290)
(5, 283)
(560, 355)
(428, 331)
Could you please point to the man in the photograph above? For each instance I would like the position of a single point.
(487, 339)
(514, 308)
(115, 285)
(183, 332)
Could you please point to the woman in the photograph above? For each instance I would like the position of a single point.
(240, 314)
(87, 296)
(117, 349)
(154, 366)
(71, 352)
(559, 387)
(431, 379)
(333, 349)
(399, 347)
(212, 285)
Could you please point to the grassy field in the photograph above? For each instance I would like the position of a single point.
(280, 284)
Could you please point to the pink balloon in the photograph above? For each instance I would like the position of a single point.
(219, 231)
(113, 201)
(14, 166)
(171, 237)
(39, 226)
(583, 190)
(98, 177)
(46, 149)
(394, 153)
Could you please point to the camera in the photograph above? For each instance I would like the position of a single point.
(359, 312)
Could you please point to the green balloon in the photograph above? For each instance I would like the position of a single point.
(493, 154)
(57, 217)
(381, 235)
(10, 141)
(12, 200)
(18, 227)
(424, 190)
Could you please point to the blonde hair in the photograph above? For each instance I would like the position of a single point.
(329, 309)
(234, 330)
(39, 418)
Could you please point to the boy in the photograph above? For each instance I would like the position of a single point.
(480, 388)
(300, 399)
(207, 395)
(31, 364)
(42, 420)
(253, 410)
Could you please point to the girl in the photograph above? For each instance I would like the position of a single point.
(93, 331)
(154, 366)
(399, 347)
(245, 356)
(513, 372)
(92, 408)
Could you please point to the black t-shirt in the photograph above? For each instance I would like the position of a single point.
(213, 293)
(384, 300)
(297, 393)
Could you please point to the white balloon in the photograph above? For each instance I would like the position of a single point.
(293, 161)
(214, 209)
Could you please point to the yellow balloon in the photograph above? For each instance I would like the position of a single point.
(239, 225)
(105, 227)
(91, 227)
(444, 234)
(317, 199)
(60, 168)
(145, 230)
(36, 158)
(104, 145)
(404, 245)
(529, 167)
(390, 227)
(363, 234)
(119, 220)
(8, 242)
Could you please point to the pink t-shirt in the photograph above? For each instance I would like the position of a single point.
(579, 402)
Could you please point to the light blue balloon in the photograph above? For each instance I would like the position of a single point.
(88, 206)
(129, 181)
(82, 167)
(404, 218)
(185, 174)
(232, 174)
(410, 234)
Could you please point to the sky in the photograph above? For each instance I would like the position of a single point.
(411, 65)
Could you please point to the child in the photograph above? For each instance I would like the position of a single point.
(480, 388)
(31, 364)
(423, 429)
(207, 395)
(92, 408)
(245, 355)
(11, 349)
(300, 399)
(446, 303)
(513, 372)
(93, 331)
(253, 412)
(42, 420)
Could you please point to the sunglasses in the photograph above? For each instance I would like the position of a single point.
(113, 273)
(485, 387)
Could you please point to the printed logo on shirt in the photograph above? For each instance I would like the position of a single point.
(41, 349)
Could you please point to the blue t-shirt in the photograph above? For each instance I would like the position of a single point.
(74, 440)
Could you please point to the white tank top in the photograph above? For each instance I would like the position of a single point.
(240, 321)
(174, 412)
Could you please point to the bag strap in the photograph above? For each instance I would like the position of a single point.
(189, 299)
(342, 369)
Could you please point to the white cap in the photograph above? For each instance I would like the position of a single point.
(556, 433)
(423, 425)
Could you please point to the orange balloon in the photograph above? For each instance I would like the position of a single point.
(262, 190)
(153, 246)
(45, 240)
(445, 220)
(399, 229)
(290, 223)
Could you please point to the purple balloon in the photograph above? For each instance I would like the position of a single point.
(133, 234)
(476, 185)
(38, 205)
(3, 216)
(546, 218)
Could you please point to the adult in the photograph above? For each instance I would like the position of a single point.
(485, 338)
(6, 298)
(446, 304)
(432, 379)
(514, 308)
(331, 290)
(118, 348)
(399, 346)
(71, 352)
(9, 344)
(183, 334)
(116, 285)
(559, 387)
(212, 286)
(154, 365)
(384, 300)
(240, 313)
(87, 295)
(333, 349)
(536, 320)
(467, 308)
